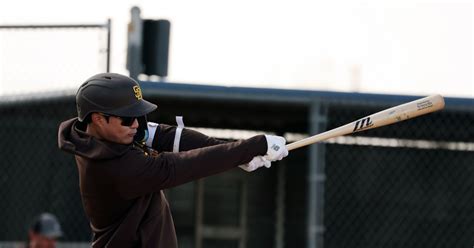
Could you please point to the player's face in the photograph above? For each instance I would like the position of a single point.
(39, 241)
(119, 129)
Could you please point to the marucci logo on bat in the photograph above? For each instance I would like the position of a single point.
(362, 124)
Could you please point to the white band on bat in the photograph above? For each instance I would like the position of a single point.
(177, 136)
(151, 133)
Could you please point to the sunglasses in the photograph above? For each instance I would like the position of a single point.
(126, 121)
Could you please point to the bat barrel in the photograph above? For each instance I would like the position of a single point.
(386, 117)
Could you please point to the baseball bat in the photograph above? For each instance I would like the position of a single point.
(385, 117)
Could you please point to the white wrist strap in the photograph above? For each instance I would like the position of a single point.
(177, 136)
(151, 133)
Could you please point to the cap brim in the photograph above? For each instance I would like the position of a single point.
(140, 108)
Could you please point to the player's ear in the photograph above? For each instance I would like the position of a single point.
(97, 119)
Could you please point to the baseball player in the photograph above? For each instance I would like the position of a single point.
(125, 162)
(44, 231)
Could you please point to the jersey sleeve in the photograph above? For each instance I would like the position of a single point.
(145, 174)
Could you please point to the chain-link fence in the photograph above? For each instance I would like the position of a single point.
(41, 58)
(34, 177)
(405, 185)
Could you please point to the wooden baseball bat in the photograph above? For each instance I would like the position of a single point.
(385, 117)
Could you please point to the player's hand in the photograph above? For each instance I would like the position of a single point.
(276, 148)
(257, 162)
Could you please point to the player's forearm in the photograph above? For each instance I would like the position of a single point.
(164, 139)
(199, 163)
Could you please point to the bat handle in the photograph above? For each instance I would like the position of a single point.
(292, 146)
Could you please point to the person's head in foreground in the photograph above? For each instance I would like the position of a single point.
(44, 231)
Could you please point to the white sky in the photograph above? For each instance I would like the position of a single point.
(395, 47)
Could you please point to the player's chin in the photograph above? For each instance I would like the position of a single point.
(127, 140)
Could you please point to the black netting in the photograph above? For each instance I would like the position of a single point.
(35, 176)
(405, 185)
(386, 197)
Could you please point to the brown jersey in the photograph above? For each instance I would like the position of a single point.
(121, 185)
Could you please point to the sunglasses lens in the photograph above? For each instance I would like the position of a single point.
(128, 121)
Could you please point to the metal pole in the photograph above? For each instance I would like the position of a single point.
(316, 179)
(52, 26)
(109, 30)
(135, 44)
(199, 184)
(280, 204)
(243, 214)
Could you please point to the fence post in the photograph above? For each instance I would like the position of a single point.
(316, 178)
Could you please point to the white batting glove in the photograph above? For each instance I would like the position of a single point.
(257, 162)
(276, 148)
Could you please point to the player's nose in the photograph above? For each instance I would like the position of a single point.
(135, 124)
